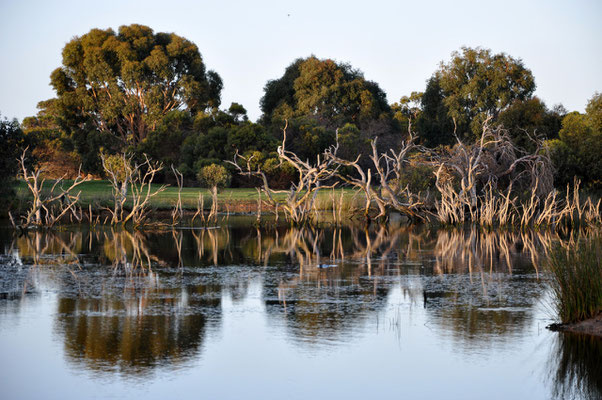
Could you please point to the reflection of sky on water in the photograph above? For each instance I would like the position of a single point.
(281, 312)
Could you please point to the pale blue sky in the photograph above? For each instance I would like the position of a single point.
(398, 44)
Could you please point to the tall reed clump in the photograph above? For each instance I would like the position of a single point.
(577, 280)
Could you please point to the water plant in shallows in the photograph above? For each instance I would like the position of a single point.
(577, 280)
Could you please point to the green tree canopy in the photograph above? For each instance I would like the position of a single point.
(317, 96)
(593, 111)
(576, 152)
(214, 176)
(527, 119)
(407, 110)
(333, 93)
(476, 83)
(124, 83)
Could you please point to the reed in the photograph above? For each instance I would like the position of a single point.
(577, 280)
(507, 209)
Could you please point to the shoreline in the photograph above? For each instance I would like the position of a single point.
(590, 326)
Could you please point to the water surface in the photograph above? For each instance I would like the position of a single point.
(238, 312)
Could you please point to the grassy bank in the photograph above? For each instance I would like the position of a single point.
(577, 280)
(99, 194)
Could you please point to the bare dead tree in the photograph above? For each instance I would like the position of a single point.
(137, 177)
(469, 176)
(389, 168)
(199, 209)
(48, 206)
(392, 193)
(259, 202)
(301, 196)
(214, 205)
(363, 182)
(176, 214)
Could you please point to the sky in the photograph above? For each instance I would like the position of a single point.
(398, 44)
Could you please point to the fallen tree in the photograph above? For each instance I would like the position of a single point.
(388, 169)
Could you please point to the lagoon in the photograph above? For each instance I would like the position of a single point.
(236, 311)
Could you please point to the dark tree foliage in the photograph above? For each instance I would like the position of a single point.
(280, 93)
(165, 141)
(238, 112)
(58, 132)
(576, 152)
(11, 142)
(306, 137)
(434, 125)
(51, 147)
(333, 93)
(249, 136)
(527, 119)
(317, 97)
(407, 110)
(123, 84)
(216, 137)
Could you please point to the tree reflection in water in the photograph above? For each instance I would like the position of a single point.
(130, 335)
(141, 315)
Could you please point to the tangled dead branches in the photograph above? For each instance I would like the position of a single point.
(300, 198)
(48, 206)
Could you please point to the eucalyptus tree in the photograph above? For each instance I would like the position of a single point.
(530, 119)
(317, 96)
(332, 92)
(476, 84)
(124, 83)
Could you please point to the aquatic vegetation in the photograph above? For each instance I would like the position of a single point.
(577, 280)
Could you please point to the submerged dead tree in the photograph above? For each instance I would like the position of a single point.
(491, 182)
(482, 182)
(48, 206)
(300, 199)
(177, 212)
(388, 168)
(125, 174)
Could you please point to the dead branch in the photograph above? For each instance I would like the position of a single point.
(300, 198)
(48, 207)
(388, 168)
(176, 214)
(124, 175)
(469, 179)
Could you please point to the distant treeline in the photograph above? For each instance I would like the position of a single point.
(139, 92)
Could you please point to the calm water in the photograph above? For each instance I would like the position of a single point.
(277, 313)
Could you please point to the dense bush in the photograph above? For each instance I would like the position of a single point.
(419, 178)
(576, 152)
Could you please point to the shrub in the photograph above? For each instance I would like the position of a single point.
(418, 177)
(214, 176)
